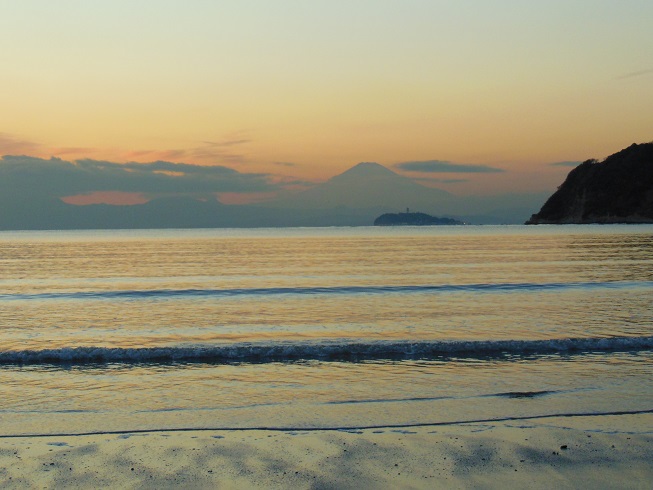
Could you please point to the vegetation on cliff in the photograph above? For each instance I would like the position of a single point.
(617, 190)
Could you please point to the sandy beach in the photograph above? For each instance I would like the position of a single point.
(596, 452)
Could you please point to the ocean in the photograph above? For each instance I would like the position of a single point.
(308, 328)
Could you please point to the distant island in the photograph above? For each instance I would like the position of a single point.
(617, 190)
(413, 219)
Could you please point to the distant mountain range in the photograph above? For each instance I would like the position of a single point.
(366, 185)
(368, 189)
(353, 198)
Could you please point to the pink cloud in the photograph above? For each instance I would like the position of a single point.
(116, 198)
(245, 197)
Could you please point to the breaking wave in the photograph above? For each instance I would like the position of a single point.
(325, 350)
(440, 288)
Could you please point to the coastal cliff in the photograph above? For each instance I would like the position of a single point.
(617, 190)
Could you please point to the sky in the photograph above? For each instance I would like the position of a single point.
(470, 96)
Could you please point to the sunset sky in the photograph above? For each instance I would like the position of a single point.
(489, 94)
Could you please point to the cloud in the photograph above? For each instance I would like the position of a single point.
(443, 166)
(228, 150)
(208, 151)
(32, 177)
(285, 164)
(634, 74)
(11, 144)
(441, 181)
(245, 198)
(71, 150)
(220, 151)
(222, 144)
(565, 164)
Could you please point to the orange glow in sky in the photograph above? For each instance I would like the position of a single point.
(306, 90)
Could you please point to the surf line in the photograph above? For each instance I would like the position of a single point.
(149, 294)
(326, 429)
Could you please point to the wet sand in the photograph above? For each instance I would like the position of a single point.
(595, 452)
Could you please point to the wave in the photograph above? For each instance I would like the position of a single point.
(347, 290)
(326, 350)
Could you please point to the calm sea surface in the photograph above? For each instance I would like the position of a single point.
(338, 327)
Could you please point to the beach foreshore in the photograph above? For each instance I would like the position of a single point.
(583, 452)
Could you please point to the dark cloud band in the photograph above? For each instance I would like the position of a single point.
(20, 175)
(443, 166)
